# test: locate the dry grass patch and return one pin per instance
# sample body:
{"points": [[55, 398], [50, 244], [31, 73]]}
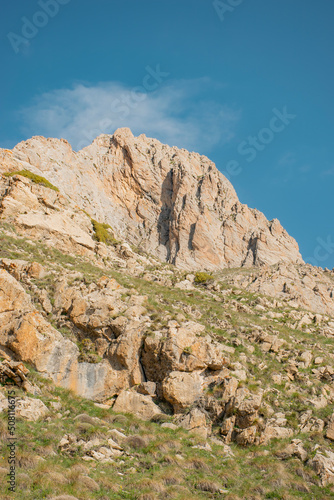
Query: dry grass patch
{"points": [[206, 485], [26, 459], [171, 460], [136, 442], [148, 496], [166, 446], [152, 485], [197, 464]]}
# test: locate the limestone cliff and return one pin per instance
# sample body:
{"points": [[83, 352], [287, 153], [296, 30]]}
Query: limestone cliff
{"points": [[173, 204]]}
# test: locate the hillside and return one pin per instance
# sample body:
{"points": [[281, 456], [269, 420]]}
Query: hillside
{"points": [[163, 340]]}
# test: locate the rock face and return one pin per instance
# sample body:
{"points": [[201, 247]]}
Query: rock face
{"points": [[25, 332], [173, 204], [305, 286]]}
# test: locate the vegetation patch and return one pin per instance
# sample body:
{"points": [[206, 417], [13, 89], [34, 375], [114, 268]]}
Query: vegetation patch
{"points": [[102, 233], [202, 278], [37, 179]]}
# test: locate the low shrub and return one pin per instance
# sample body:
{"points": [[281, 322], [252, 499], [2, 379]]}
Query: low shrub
{"points": [[102, 234], [202, 278]]}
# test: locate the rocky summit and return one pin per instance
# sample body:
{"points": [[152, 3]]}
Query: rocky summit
{"points": [[171, 203], [162, 339]]}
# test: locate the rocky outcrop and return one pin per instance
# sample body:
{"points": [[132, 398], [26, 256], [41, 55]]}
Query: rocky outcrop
{"points": [[323, 464], [28, 336], [39, 212], [302, 286], [174, 204]]}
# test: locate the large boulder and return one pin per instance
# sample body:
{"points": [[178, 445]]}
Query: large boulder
{"points": [[141, 405], [182, 389]]}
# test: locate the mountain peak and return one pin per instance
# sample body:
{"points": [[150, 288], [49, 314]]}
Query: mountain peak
{"points": [[172, 203]]}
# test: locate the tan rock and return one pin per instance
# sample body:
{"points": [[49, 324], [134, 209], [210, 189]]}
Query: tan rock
{"points": [[246, 436], [227, 429], [323, 464], [274, 431], [139, 404], [148, 388], [182, 389], [26, 333], [307, 358], [184, 350], [194, 215], [31, 409], [229, 389], [195, 421], [330, 429], [294, 449]]}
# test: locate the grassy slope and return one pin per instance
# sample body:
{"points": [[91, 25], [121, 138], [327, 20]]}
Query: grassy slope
{"points": [[159, 472]]}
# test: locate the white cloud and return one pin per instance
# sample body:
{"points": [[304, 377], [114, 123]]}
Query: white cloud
{"points": [[327, 173], [287, 160], [174, 113]]}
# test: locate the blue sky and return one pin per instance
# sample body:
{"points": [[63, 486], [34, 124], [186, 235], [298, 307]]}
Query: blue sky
{"points": [[249, 83]]}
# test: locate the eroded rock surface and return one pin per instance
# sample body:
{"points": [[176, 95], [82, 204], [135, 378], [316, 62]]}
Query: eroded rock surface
{"points": [[176, 205]]}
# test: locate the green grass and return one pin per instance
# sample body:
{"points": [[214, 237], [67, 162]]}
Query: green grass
{"points": [[37, 179], [250, 474]]}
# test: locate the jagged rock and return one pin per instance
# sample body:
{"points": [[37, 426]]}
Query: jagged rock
{"points": [[275, 431], [90, 308], [114, 445], [132, 402], [330, 429], [323, 464], [297, 283], [247, 409], [230, 387], [16, 372], [307, 358], [148, 388], [227, 429], [51, 216], [177, 206], [295, 449], [182, 389], [184, 350], [246, 436], [34, 340], [194, 215], [309, 423], [31, 409], [20, 268], [118, 436], [195, 421]]}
